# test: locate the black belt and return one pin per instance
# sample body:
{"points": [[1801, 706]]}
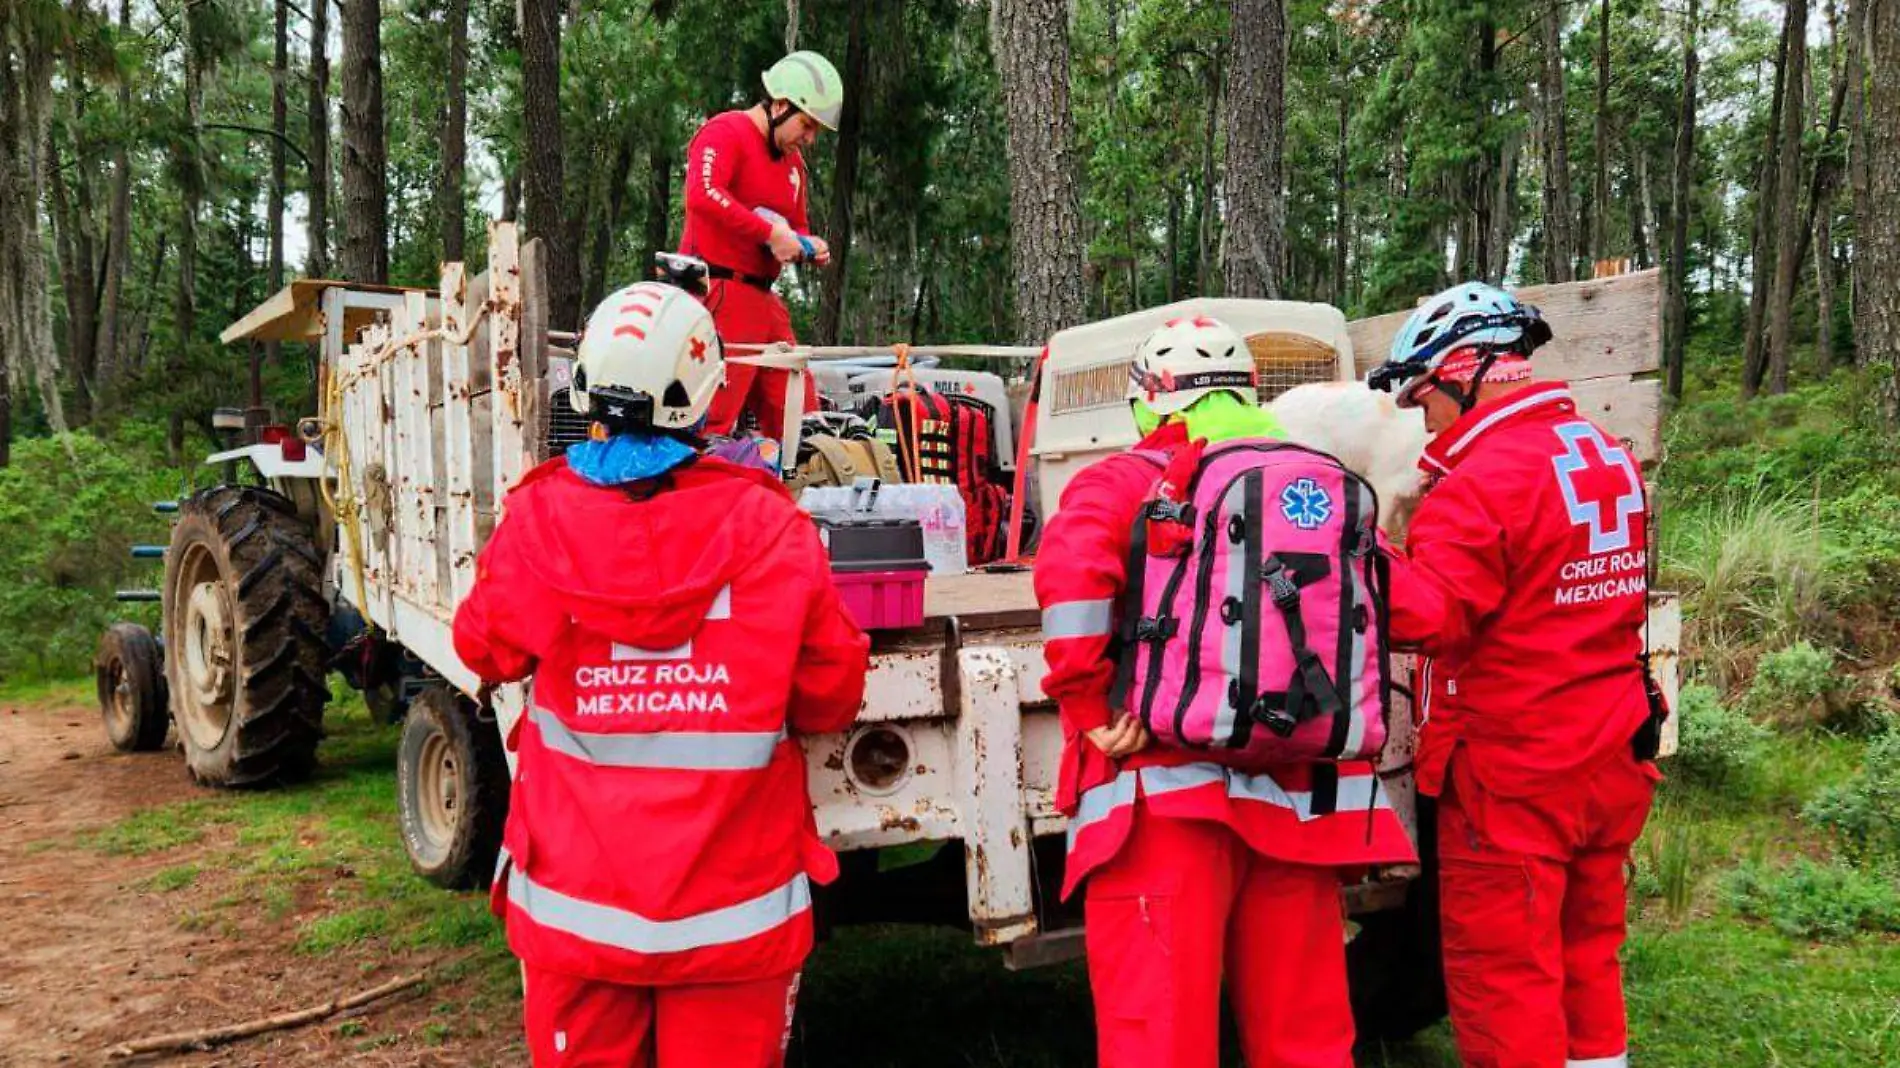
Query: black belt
{"points": [[760, 282]]}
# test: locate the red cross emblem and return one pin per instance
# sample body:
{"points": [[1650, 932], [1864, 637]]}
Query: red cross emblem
{"points": [[1601, 488], [699, 349]]}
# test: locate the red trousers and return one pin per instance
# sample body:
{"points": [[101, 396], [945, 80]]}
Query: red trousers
{"points": [[582, 1023], [1185, 901], [745, 314], [1532, 901]]}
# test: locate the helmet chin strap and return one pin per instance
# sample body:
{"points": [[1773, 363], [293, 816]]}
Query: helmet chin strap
{"points": [[772, 123]]}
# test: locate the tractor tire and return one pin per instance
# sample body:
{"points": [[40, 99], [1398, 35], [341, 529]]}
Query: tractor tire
{"points": [[451, 790], [245, 612], [1396, 963], [130, 673]]}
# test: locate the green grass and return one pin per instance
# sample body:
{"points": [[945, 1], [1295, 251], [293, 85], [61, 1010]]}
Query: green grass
{"points": [[1706, 984], [64, 692]]}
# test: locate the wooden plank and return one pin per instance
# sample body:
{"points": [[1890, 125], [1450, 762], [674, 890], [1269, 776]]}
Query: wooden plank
{"points": [[457, 434], [1605, 328], [1631, 409], [420, 465], [980, 595], [534, 349], [506, 398]]}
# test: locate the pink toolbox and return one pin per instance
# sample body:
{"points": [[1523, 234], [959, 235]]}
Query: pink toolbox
{"points": [[878, 566]]}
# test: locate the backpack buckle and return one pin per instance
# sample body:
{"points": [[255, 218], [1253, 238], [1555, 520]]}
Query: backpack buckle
{"points": [[1280, 583], [1156, 629], [1171, 511]]}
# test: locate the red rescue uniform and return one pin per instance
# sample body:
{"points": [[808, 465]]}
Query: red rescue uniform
{"points": [[1525, 583], [660, 846], [1193, 869], [730, 170]]}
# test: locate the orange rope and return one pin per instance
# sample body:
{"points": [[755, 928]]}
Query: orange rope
{"points": [[904, 381]]}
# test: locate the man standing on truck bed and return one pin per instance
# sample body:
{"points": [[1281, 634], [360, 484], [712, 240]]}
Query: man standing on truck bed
{"points": [[746, 192], [1193, 867], [679, 618], [1525, 582]]}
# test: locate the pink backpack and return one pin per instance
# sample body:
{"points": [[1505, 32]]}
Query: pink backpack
{"points": [[1262, 641]]}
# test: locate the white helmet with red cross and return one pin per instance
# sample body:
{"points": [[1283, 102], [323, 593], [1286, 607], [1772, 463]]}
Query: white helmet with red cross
{"points": [[1188, 358], [649, 360]]}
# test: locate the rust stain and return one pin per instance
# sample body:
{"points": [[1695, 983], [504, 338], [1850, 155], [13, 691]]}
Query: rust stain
{"points": [[1016, 837], [889, 819], [835, 762]]}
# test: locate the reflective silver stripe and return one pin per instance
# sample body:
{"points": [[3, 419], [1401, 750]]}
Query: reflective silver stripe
{"points": [[1356, 671], [1234, 584], [1078, 619], [677, 750], [1165, 780], [619, 929], [1621, 1060], [1357, 793], [1098, 801]]}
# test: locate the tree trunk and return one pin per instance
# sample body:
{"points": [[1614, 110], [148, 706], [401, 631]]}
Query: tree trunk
{"points": [[1031, 45], [280, 125], [1503, 218], [1342, 204], [317, 170], [1824, 293], [185, 308], [451, 202], [844, 179], [608, 222], [1856, 43], [1253, 244], [1204, 198], [1754, 350], [365, 151], [1676, 301], [1174, 245], [118, 246], [1877, 307], [659, 197], [74, 248], [543, 176], [1560, 246], [1600, 199], [1794, 114], [1643, 216]]}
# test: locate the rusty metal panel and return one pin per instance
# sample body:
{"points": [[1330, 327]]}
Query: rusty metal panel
{"points": [[458, 435], [510, 409], [989, 766]]}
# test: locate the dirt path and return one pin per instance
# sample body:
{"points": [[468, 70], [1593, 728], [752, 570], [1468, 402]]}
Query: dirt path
{"points": [[92, 956]]}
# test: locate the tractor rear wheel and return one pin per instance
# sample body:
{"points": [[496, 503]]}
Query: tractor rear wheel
{"points": [[451, 790], [130, 674], [245, 616]]}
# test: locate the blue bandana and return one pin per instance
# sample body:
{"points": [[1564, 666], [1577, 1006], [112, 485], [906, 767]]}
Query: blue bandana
{"points": [[627, 458]]}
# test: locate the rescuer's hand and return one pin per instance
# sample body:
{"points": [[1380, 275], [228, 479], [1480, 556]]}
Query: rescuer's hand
{"points": [[1123, 738], [785, 245]]}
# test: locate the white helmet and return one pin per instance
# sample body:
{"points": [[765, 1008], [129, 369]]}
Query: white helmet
{"points": [[1188, 358], [649, 359]]}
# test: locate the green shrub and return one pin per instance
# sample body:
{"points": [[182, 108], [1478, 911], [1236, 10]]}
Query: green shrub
{"points": [[1797, 687], [1752, 571], [70, 510], [1716, 745], [1809, 900], [1864, 812]]}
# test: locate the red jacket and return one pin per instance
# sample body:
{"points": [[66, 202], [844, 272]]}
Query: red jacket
{"points": [[730, 171], [1525, 581], [1081, 569], [659, 828]]}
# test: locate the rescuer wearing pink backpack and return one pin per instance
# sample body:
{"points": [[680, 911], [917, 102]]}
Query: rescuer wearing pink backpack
{"points": [[1213, 618]]}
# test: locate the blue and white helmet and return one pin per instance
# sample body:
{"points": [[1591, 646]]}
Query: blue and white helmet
{"points": [[1470, 315]]}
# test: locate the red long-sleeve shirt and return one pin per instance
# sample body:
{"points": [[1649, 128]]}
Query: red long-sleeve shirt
{"points": [[729, 172]]}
